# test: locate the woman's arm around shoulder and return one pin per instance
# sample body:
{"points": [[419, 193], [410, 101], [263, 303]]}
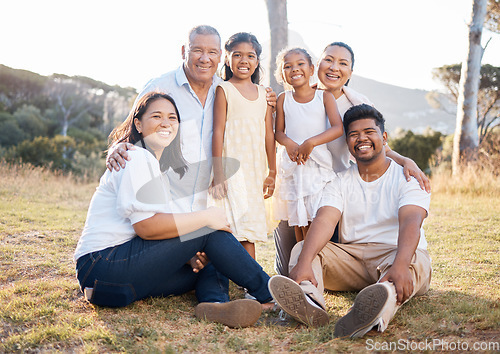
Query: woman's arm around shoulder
{"points": [[410, 168]]}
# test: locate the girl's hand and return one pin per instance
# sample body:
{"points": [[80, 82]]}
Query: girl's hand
{"points": [[292, 150], [410, 168], [117, 156], [218, 191], [218, 188], [271, 97], [269, 184], [198, 262], [304, 151], [216, 219]]}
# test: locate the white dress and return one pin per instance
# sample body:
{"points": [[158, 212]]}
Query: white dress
{"points": [[299, 187], [244, 141]]}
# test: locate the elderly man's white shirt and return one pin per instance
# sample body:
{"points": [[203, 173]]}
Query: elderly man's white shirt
{"points": [[196, 137], [370, 209]]}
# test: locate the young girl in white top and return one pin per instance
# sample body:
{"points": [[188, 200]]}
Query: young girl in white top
{"points": [[243, 139], [301, 118]]}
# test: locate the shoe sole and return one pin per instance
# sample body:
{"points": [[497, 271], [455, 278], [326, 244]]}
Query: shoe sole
{"points": [[290, 297], [364, 314], [234, 314]]}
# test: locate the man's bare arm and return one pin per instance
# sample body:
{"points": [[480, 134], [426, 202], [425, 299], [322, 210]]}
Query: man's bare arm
{"points": [[410, 219], [320, 232]]}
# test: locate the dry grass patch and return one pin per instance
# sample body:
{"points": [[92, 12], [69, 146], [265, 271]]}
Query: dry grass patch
{"points": [[42, 309]]}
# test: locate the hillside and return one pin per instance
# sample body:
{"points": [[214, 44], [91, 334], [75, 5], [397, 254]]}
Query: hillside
{"points": [[404, 108]]}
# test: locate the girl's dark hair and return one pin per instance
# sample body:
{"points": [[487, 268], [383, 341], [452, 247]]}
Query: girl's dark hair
{"points": [[237, 38], [280, 61], [349, 49], [127, 132]]}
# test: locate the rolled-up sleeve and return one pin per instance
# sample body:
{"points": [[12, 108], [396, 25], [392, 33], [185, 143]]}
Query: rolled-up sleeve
{"points": [[142, 191], [332, 195]]}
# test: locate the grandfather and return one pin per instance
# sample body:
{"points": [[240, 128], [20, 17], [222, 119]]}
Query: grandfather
{"points": [[192, 86]]}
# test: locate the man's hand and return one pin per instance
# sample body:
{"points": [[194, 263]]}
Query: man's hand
{"points": [[402, 279], [198, 262], [117, 156], [302, 272]]}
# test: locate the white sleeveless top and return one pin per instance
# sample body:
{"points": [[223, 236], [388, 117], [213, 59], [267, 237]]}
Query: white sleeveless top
{"points": [[304, 120]]}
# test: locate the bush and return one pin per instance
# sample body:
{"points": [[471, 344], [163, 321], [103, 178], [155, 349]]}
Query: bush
{"points": [[57, 152], [420, 148]]}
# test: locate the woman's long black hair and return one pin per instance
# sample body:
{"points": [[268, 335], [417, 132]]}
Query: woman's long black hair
{"points": [[127, 132]]}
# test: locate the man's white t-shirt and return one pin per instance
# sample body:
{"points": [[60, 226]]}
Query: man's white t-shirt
{"points": [[370, 209], [123, 198]]}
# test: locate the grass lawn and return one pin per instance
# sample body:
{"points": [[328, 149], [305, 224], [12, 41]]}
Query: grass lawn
{"points": [[42, 308]]}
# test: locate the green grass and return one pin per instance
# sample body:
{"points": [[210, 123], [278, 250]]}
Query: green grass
{"points": [[42, 308]]}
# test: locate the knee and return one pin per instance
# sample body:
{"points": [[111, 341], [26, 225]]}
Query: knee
{"points": [[296, 250], [112, 294]]}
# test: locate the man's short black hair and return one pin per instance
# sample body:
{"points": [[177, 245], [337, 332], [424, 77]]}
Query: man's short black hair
{"points": [[363, 111]]}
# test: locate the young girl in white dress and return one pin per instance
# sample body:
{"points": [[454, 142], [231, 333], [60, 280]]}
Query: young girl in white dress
{"points": [[243, 135], [305, 165]]}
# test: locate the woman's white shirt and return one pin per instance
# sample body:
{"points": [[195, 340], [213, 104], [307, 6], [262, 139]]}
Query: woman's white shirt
{"points": [[123, 198], [338, 147]]}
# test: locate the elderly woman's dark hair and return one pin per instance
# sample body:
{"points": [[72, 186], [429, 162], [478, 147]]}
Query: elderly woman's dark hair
{"points": [[127, 132]]}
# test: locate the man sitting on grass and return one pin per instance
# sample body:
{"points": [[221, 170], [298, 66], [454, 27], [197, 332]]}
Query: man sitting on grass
{"points": [[382, 249]]}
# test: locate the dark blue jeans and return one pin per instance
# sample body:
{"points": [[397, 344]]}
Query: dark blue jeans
{"points": [[139, 268]]}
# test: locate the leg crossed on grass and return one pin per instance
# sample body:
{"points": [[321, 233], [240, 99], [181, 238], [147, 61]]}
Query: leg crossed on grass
{"points": [[354, 267], [139, 268]]}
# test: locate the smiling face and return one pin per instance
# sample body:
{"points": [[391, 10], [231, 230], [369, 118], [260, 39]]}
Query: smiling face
{"points": [[297, 70], [334, 69], [365, 140], [201, 58], [243, 61], [158, 125]]}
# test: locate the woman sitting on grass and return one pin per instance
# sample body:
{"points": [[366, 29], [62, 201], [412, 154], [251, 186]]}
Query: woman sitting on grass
{"points": [[130, 249]]}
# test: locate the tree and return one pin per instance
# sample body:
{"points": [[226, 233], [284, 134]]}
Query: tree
{"points": [[19, 87], [492, 21], [278, 23], [72, 100], [488, 104], [30, 120], [466, 138]]}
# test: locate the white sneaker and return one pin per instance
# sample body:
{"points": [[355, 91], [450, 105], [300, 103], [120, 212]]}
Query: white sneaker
{"points": [[290, 297], [374, 305]]}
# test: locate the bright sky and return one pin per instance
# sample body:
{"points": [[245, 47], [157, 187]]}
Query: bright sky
{"points": [[128, 42]]}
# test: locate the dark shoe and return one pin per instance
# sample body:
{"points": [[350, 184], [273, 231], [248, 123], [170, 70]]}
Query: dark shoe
{"points": [[234, 314], [364, 314], [290, 297]]}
